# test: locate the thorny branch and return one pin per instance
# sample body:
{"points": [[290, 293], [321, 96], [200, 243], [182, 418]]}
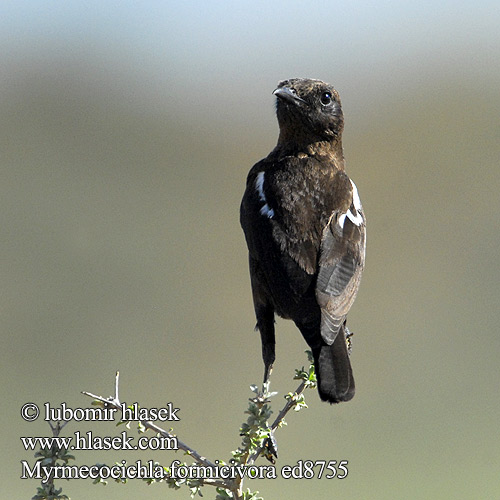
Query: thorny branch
{"points": [[248, 454], [114, 402]]}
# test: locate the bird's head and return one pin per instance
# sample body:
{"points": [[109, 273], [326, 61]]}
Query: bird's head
{"points": [[308, 111]]}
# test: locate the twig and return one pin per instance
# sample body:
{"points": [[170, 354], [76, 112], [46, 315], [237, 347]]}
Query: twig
{"points": [[58, 427], [115, 403], [289, 405], [292, 401]]}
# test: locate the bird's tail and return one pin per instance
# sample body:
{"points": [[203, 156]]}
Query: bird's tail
{"points": [[333, 370]]}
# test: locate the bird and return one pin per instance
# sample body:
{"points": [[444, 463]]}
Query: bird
{"points": [[305, 231]]}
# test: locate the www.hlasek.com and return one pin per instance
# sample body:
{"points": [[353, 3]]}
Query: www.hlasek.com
{"points": [[303, 469], [89, 441]]}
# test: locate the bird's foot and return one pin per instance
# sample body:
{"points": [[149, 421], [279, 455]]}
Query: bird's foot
{"points": [[270, 448], [348, 340]]}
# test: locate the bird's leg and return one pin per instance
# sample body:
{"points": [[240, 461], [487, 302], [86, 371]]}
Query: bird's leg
{"points": [[265, 325], [268, 369], [270, 445]]}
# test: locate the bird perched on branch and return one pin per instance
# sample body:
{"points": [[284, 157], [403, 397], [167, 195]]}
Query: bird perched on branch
{"points": [[305, 231]]}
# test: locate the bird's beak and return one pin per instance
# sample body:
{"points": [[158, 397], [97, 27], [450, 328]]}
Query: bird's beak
{"points": [[287, 94]]}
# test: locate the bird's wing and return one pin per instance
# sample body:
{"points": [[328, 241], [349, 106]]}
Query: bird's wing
{"points": [[287, 263], [342, 257]]}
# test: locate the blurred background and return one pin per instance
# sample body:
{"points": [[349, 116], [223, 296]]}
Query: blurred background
{"points": [[127, 130]]}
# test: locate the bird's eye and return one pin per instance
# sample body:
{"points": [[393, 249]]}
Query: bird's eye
{"points": [[326, 98]]}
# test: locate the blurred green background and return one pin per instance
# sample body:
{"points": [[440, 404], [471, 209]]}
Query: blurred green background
{"points": [[127, 131]]}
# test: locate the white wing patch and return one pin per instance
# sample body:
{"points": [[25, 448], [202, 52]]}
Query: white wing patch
{"points": [[259, 185], [355, 197], [355, 218]]}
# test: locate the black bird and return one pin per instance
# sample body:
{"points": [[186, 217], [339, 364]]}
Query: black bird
{"points": [[305, 231]]}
